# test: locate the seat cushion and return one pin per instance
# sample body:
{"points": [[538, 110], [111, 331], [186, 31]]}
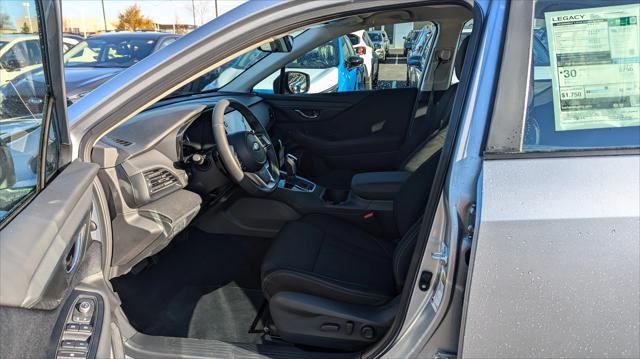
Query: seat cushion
{"points": [[330, 258]]}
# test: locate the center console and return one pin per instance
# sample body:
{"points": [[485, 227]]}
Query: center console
{"points": [[369, 202]]}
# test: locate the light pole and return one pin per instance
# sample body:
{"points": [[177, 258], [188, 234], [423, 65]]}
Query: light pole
{"points": [[27, 6], [104, 16], [193, 9]]}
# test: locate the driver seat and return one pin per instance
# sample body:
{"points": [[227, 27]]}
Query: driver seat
{"points": [[331, 284]]}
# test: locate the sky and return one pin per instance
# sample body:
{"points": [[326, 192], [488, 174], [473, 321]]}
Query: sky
{"points": [[161, 11]]}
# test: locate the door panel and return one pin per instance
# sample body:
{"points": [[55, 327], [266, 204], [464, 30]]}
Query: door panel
{"points": [[41, 247], [555, 271], [354, 130], [45, 218]]}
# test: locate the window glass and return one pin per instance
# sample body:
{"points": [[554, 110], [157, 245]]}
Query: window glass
{"points": [[585, 90], [112, 51], [21, 109]]}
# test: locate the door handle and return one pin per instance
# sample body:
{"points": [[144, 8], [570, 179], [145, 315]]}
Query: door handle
{"points": [[311, 115]]}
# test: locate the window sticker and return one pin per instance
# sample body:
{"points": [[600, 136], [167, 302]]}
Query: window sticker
{"points": [[595, 63]]}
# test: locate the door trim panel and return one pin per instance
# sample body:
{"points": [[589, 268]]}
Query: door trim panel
{"points": [[35, 244]]}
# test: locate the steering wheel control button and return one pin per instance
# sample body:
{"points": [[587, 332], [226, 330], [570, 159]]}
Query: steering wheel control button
{"points": [[330, 327]]}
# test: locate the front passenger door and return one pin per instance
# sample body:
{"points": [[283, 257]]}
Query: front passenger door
{"points": [[45, 218]]}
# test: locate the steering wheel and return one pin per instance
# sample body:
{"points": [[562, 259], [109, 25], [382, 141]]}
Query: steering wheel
{"points": [[249, 156]]}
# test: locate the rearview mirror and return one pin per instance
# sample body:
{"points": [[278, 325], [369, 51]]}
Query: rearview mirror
{"points": [[283, 44], [415, 61], [296, 83], [354, 61]]}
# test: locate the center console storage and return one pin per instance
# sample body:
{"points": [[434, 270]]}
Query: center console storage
{"points": [[378, 185]]}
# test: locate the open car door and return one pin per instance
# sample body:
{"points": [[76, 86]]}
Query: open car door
{"points": [[45, 211]]}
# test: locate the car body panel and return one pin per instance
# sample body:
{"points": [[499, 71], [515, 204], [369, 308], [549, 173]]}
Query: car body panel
{"points": [[555, 259]]}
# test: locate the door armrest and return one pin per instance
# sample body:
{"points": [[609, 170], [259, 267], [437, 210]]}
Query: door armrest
{"points": [[378, 185]]}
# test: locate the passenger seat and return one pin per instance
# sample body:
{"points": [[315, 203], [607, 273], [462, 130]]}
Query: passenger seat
{"points": [[426, 137]]}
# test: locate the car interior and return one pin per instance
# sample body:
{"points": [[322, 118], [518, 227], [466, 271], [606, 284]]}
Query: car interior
{"points": [[284, 219]]}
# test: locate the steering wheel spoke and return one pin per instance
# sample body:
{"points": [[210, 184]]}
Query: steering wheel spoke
{"points": [[249, 156]]}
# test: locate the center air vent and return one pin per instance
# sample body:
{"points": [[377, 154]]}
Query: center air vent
{"points": [[159, 179], [121, 142]]}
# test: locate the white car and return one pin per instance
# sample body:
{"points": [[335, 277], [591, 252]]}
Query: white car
{"points": [[364, 48], [20, 53]]}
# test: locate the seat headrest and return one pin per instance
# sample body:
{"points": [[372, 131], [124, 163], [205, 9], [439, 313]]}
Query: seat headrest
{"points": [[462, 52]]}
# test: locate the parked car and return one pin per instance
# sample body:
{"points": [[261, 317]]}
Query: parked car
{"points": [[20, 53], [420, 56], [70, 40], [332, 67], [364, 48], [380, 43], [411, 37], [500, 222], [86, 66]]}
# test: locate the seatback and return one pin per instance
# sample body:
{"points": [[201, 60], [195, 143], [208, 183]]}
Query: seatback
{"points": [[426, 126], [410, 201]]}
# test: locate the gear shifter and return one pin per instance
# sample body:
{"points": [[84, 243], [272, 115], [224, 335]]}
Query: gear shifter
{"points": [[291, 166]]}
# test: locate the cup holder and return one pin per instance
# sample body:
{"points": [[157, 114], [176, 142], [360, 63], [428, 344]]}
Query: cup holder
{"points": [[335, 196]]}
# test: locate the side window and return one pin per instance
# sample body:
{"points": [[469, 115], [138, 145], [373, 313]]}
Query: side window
{"points": [[585, 88], [23, 98], [167, 42], [384, 64]]}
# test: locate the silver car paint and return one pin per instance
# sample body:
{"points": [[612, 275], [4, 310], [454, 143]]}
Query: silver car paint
{"points": [[556, 270]]}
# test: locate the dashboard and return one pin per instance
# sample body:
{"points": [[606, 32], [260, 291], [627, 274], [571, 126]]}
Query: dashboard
{"points": [[154, 190]]}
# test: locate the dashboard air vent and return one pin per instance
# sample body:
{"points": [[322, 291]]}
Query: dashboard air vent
{"points": [[159, 179], [121, 142]]}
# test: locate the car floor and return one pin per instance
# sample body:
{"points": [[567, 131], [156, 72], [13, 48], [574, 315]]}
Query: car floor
{"points": [[204, 286]]}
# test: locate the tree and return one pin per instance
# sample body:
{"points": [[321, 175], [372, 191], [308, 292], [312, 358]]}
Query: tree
{"points": [[131, 19], [25, 28], [5, 21]]}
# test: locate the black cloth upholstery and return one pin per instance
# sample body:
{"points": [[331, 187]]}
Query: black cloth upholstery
{"points": [[330, 258], [424, 129]]}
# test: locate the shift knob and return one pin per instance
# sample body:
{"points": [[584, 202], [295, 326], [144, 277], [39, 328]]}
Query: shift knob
{"points": [[291, 165]]}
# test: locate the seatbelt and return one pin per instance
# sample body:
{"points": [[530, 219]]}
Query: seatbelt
{"points": [[443, 56]]}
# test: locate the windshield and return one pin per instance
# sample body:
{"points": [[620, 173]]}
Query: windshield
{"points": [[322, 57], [375, 36], [109, 52]]}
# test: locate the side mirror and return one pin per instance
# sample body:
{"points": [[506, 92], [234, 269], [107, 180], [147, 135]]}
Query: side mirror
{"points": [[11, 65], [415, 61], [354, 61], [296, 83], [283, 44]]}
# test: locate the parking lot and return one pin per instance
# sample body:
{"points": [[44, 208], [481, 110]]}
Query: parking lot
{"points": [[393, 72]]}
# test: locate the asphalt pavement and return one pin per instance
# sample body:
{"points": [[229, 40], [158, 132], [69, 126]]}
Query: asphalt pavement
{"points": [[393, 72]]}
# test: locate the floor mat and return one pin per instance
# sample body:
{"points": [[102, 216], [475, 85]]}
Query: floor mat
{"points": [[204, 286]]}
